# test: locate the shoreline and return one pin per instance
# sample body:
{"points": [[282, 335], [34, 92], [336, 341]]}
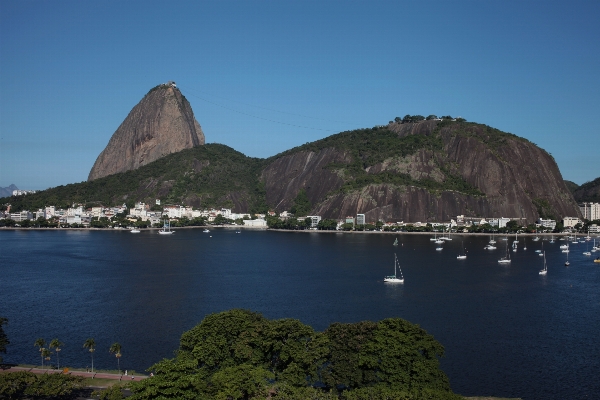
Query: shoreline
{"points": [[8, 228]]}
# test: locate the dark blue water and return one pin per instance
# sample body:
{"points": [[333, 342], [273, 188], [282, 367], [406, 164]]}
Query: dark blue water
{"points": [[507, 330]]}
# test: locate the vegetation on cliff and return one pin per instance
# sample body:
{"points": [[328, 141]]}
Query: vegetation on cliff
{"points": [[406, 165], [239, 354], [588, 192], [213, 175]]}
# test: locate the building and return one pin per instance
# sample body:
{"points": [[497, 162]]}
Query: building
{"points": [[590, 211], [314, 220], [350, 220], [255, 223], [547, 223], [594, 228], [570, 222], [360, 219], [21, 216]]}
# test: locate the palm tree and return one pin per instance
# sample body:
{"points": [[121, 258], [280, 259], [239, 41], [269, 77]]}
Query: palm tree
{"points": [[116, 348], [90, 344], [56, 344], [45, 355], [40, 343]]}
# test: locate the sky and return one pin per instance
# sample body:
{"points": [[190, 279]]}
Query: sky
{"points": [[266, 76]]}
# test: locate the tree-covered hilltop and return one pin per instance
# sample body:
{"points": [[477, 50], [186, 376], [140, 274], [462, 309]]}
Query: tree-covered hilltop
{"points": [[240, 354], [588, 192], [212, 175]]}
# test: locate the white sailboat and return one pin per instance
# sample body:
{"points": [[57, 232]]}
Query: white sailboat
{"points": [[395, 278], [567, 263], [565, 250], [544, 271], [587, 251], [396, 242], [166, 230], [462, 256], [505, 259], [492, 241]]}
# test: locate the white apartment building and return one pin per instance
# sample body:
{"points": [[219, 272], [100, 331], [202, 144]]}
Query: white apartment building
{"points": [[570, 222], [547, 223], [590, 211], [594, 228], [174, 211], [360, 219], [314, 220]]}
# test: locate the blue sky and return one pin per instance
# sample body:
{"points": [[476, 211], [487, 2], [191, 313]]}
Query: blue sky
{"points": [[265, 76]]}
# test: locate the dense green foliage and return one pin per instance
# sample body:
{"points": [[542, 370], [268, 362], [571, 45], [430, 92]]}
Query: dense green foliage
{"points": [[27, 385], [301, 205], [588, 192], [239, 354], [3, 337], [208, 173]]}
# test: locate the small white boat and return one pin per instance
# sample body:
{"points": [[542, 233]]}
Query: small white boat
{"points": [[462, 256], [439, 248], [544, 271], [134, 230], [206, 231], [538, 251], [563, 246], [505, 259], [489, 247], [395, 278], [395, 242]]}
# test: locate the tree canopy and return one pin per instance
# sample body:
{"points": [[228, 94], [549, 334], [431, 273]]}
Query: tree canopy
{"points": [[239, 354]]}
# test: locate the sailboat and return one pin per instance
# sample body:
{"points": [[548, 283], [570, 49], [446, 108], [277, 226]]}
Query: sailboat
{"points": [[434, 238], [463, 255], [567, 263], [134, 230], [396, 242], [544, 271], [587, 251], [492, 241], [505, 259], [394, 278], [166, 230], [565, 250]]}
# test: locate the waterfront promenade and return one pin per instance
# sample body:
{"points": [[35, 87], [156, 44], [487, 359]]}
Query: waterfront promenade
{"points": [[92, 375]]}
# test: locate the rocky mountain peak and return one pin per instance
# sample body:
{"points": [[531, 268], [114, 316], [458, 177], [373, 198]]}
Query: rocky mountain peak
{"points": [[160, 124]]}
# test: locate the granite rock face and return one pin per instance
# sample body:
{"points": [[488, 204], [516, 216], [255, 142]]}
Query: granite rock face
{"points": [[513, 177], [160, 124]]}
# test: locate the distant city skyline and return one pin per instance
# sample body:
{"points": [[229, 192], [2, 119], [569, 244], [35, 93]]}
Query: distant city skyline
{"points": [[265, 76]]}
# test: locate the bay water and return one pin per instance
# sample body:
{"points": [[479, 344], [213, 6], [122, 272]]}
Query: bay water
{"points": [[507, 330]]}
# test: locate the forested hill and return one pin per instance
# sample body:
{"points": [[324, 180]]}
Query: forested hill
{"points": [[421, 171], [588, 192], [204, 176], [405, 171]]}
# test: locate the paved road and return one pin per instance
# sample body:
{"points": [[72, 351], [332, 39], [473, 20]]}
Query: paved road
{"points": [[103, 375]]}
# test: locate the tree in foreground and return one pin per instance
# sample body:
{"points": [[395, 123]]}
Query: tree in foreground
{"points": [[40, 343], [27, 385], [90, 344], [56, 345], [3, 338], [239, 354], [116, 349]]}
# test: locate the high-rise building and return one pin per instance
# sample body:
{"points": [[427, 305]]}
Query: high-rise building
{"points": [[590, 211]]}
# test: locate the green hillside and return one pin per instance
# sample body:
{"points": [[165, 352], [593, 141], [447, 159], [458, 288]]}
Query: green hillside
{"points": [[205, 176]]}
